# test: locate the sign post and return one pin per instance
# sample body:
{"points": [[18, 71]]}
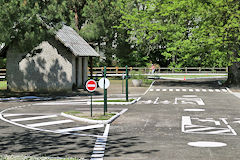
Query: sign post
{"points": [[104, 83], [91, 86], [127, 83]]}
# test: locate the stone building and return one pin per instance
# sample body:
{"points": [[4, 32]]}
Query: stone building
{"points": [[58, 64]]}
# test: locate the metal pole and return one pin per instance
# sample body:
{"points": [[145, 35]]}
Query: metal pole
{"points": [[127, 83], [105, 92], [91, 104]]}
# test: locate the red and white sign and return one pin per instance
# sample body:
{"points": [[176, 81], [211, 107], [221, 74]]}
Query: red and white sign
{"points": [[91, 85]]}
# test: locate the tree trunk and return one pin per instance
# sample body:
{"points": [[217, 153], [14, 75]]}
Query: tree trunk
{"points": [[234, 74], [76, 18]]}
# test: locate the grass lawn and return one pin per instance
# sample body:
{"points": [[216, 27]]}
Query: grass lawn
{"points": [[11, 157], [96, 115], [192, 76], [3, 85]]}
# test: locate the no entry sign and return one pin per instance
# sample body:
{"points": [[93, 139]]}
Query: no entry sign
{"points": [[91, 85]]}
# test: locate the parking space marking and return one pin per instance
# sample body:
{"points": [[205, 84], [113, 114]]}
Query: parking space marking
{"points": [[32, 118], [80, 128], [50, 123]]}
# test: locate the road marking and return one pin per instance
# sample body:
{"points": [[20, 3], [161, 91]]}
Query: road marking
{"points": [[210, 90], [207, 144], [190, 90], [12, 115], [32, 118], [165, 102], [61, 103], [157, 90], [184, 90], [204, 90], [177, 90], [151, 90], [217, 90], [100, 144], [188, 127], [197, 90], [155, 102], [224, 120], [190, 100], [170, 90], [80, 128], [189, 96], [194, 110], [164, 90], [49, 123], [224, 90]]}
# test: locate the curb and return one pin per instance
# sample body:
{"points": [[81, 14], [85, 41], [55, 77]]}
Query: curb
{"points": [[116, 103], [94, 121]]}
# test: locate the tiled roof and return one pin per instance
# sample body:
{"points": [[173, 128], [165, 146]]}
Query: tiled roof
{"points": [[72, 40]]}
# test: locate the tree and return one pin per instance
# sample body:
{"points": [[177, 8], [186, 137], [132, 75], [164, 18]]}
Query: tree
{"points": [[25, 22]]}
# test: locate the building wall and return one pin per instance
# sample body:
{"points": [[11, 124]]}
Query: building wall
{"points": [[48, 68]]}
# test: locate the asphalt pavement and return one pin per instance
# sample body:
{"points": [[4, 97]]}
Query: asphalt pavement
{"points": [[174, 120]]}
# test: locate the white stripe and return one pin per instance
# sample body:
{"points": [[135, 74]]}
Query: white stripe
{"points": [[80, 128], [12, 115], [217, 90], [204, 90], [184, 90], [190, 90], [155, 102], [186, 120], [177, 90], [224, 90], [210, 90], [201, 129], [224, 120], [164, 90], [64, 103], [32, 118], [219, 131], [49, 123], [91, 85], [233, 131], [194, 110], [106, 131], [157, 90], [170, 90], [197, 90], [151, 90]]}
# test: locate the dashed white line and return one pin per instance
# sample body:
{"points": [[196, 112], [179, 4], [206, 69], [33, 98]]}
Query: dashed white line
{"points": [[217, 90], [197, 90], [177, 90], [190, 90], [210, 90], [184, 90], [49, 123], [170, 90], [164, 90], [157, 90], [204, 90]]}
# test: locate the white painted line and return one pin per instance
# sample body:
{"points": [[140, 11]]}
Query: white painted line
{"points": [[61, 103], [99, 148], [151, 90], [190, 90], [186, 120], [204, 90], [194, 110], [224, 90], [157, 90], [210, 90], [12, 115], [207, 144], [224, 120], [233, 131], [184, 90], [80, 128], [170, 90], [219, 131], [33, 118], [189, 96], [49, 123], [217, 90], [200, 129], [177, 90], [197, 90], [164, 90], [155, 102]]}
